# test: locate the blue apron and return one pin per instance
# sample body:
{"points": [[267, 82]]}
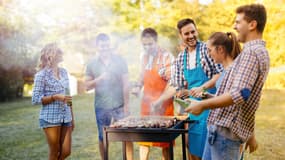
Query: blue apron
{"points": [[197, 132]]}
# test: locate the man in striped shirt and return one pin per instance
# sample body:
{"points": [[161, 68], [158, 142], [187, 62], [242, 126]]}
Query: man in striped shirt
{"points": [[231, 120]]}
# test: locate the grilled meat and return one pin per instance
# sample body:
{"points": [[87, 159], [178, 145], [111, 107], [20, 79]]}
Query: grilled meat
{"points": [[145, 122]]}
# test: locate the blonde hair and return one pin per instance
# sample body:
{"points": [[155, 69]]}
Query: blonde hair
{"points": [[48, 54]]}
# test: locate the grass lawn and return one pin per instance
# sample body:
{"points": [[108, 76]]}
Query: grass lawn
{"points": [[21, 139]]}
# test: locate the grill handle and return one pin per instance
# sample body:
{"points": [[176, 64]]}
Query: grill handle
{"points": [[189, 121]]}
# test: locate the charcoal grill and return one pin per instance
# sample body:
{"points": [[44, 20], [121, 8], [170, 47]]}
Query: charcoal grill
{"points": [[133, 134]]}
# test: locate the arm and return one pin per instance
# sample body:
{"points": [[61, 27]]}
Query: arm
{"points": [[135, 90], [73, 124], [90, 82], [39, 97], [211, 83], [167, 93], [213, 68], [140, 80], [245, 75], [38, 89], [59, 97], [169, 90], [90, 79], [125, 80], [198, 107], [48, 99], [251, 143], [197, 91]]}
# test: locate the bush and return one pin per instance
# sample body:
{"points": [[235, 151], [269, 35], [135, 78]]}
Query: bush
{"points": [[275, 81], [11, 83]]}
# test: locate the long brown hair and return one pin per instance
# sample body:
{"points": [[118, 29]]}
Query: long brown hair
{"points": [[48, 54], [228, 41]]}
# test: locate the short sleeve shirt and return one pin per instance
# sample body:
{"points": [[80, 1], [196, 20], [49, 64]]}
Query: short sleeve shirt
{"points": [[109, 93]]}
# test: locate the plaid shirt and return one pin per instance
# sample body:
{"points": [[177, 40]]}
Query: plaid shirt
{"points": [[45, 84], [244, 81], [209, 66]]}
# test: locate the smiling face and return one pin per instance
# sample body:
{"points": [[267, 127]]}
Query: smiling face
{"points": [[189, 35], [216, 52], [58, 56], [242, 27], [104, 47]]}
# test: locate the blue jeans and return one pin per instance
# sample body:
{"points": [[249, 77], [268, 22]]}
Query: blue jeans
{"points": [[45, 124], [104, 117], [219, 147]]}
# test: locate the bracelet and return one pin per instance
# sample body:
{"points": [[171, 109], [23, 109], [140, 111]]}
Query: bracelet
{"points": [[204, 89]]}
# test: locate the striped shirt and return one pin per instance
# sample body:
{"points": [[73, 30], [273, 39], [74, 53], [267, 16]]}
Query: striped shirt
{"points": [[163, 60], [209, 66], [45, 84], [244, 81]]}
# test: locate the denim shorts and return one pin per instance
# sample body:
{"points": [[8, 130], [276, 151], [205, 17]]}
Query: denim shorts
{"points": [[105, 116], [45, 124], [219, 147]]}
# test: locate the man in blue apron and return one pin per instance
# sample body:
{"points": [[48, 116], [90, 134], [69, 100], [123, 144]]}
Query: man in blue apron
{"points": [[195, 67], [194, 71]]}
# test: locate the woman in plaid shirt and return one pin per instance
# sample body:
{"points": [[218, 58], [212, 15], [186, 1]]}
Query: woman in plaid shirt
{"points": [[51, 84]]}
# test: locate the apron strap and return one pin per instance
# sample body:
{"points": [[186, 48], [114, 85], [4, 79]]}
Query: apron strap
{"points": [[198, 64]]}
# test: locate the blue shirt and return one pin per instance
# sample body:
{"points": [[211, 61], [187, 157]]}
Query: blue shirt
{"points": [[219, 81], [45, 84]]}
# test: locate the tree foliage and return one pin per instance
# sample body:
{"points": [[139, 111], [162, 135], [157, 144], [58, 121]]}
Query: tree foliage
{"points": [[216, 16], [27, 25]]}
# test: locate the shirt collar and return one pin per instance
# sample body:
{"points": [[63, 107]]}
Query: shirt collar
{"points": [[157, 52], [50, 71], [254, 42], [186, 48]]}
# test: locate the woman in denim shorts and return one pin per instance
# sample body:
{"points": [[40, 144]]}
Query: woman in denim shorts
{"points": [[51, 87]]}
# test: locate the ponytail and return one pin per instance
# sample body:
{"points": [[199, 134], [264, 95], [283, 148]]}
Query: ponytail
{"points": [[228, 41], [235, 49]]}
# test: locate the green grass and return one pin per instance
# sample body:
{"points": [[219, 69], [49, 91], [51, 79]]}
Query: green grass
{"points": [[21, 138]]}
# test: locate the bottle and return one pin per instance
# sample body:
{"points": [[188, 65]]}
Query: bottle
{"points": [[67, 92]]}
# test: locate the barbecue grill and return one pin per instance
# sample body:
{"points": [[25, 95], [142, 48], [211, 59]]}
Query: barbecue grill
{"points": [[148, 133]]}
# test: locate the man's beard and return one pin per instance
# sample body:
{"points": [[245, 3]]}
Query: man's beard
{"points": [[191, 42]]}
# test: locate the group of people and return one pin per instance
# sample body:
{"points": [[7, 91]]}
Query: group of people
{"points": [[230, 78]]}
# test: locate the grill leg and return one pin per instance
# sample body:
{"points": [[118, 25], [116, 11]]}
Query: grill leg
{"points": [[124, 150], [106, 146], [171, 150], [183, 146]]}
